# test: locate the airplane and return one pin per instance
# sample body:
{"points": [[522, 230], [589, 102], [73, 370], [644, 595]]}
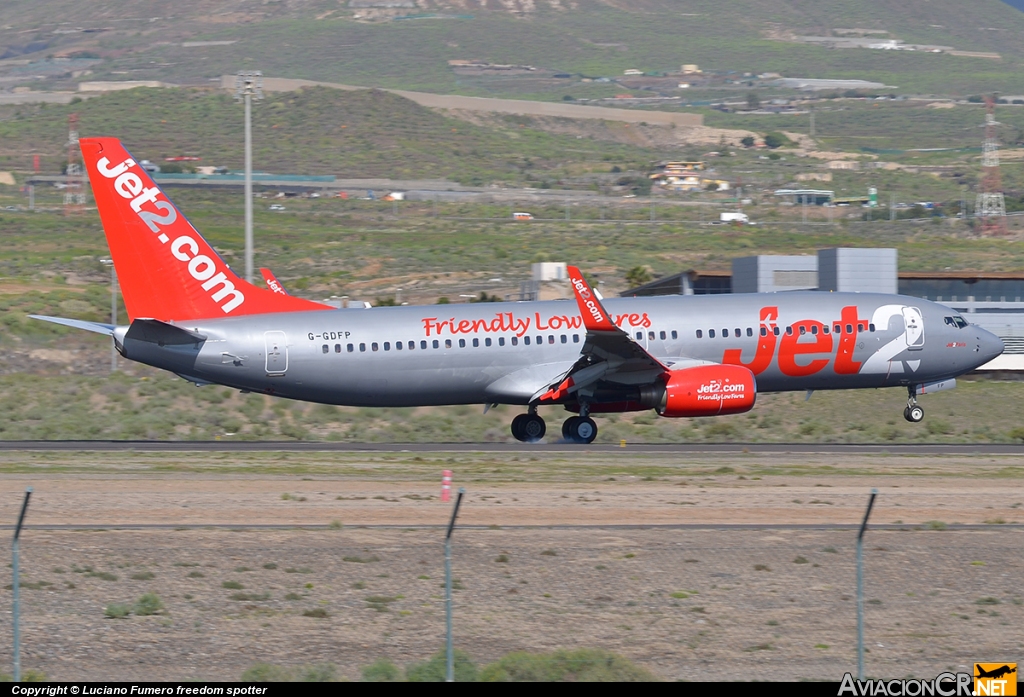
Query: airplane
{"points": [[682, 356]]}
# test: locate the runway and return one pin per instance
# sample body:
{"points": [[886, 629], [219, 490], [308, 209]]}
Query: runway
{"points": [[517, 448]]}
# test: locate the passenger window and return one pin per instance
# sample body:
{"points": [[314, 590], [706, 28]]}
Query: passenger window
{"points": [[398, 345], [775, 331], [700, 334], [738, 333], [849, 329], [515, 341], [725, 333], [675, 334], [526, 340], [871, 327], [803, 330], [575, 338], [387, 345], [838, 329], [814, 329], [326, 349], [750, 332], [860, 328], [663, 336], [501, 341], [447, 343], [564, 339], [789, 330], [639, 336], [412, 345], [824, 329], [764, 331], [337, 348], [351, 348], [476, 343], [362, 347], [551, 338], [374, 347], [650, 336], [436, 344], [462, 343], [711, 333]]}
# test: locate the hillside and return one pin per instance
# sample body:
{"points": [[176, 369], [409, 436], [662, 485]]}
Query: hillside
{"points": [[360, 43], [366, 133]]}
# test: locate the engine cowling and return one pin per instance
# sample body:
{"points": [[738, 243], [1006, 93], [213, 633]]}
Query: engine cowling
{"points": [[708, 390]]}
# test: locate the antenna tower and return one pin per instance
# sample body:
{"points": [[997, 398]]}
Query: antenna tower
{"points": [[990, 207], [74, 194]]}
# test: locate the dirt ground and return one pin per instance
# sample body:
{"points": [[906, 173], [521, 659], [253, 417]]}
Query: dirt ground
{"points": [[574, 551]]}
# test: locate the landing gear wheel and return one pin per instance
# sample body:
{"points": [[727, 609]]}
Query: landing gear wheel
{"points": [[517, 427], [580, 429], [567, 428], [914, 414], [533, 428]]}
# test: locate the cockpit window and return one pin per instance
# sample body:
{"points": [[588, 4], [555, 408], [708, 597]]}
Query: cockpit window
{"points": [[956, 321]]}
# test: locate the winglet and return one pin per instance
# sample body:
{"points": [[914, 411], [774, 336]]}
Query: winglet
{"points": [[271, 280], [595, 317]]}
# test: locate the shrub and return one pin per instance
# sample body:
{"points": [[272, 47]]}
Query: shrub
{"points": [[382, 670], [502, 559], [143, 576], [436, 668], [581, 665], [321, 672], [148, 604], [232, 585], [116, 611], [318, 612], [270, 565]]}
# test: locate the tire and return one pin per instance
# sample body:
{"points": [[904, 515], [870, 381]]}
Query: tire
{"points": [[533, 428], [906, 413], [584, 430], [517, 427], [567, 427], [916, 414]]}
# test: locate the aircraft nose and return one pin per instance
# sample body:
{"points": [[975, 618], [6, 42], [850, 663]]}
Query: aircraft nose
{"points": [[989, 345]]}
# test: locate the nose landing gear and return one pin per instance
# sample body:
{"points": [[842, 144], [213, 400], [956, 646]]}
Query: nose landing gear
{"points": [[913, 413], [528, 428]]}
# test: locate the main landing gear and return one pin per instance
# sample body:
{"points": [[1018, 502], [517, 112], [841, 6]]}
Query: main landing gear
{"points": [[913, 413], [530, 428]]}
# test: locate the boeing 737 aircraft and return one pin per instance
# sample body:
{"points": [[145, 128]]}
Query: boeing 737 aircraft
{"points": [[681, 356]]}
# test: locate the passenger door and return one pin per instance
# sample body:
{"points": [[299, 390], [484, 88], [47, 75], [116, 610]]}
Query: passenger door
{"points": [[277, 352], [914, 324]]}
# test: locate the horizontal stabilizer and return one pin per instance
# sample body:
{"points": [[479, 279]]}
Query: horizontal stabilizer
{"points": [[153, 331], [97, 327]]}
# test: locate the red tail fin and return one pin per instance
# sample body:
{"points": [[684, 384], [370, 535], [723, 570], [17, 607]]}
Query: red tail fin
{"points": [[595, 317], [166, 269]]}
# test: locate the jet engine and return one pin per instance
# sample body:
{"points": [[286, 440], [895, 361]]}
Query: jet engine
{"points": [[708, 390]]}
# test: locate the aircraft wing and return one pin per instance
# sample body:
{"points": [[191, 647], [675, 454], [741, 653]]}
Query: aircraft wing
{"points": [[608, 353]]}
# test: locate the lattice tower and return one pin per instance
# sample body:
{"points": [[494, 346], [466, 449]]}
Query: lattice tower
{"points": [[990, 206], [74, 194]]}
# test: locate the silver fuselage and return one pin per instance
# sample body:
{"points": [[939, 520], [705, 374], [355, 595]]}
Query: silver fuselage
{"points": [[503, 353]]}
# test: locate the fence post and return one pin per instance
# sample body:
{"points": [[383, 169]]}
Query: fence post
{"points": [[15, 583], [450, 654], [860, 586]]}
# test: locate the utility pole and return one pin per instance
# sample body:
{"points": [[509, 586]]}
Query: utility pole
{"points": [[450, 651], [892, 207], [248, 84], [860, 586], [812, 122], [15, 584], [991, 206]]}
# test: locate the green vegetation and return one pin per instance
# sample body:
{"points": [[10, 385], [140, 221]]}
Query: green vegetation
{"points": [[317, 612], [148, 604], [382, 670], [117, 611]]}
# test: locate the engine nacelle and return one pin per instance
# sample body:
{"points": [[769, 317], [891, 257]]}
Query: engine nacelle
{"points": [[708, 390]]}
